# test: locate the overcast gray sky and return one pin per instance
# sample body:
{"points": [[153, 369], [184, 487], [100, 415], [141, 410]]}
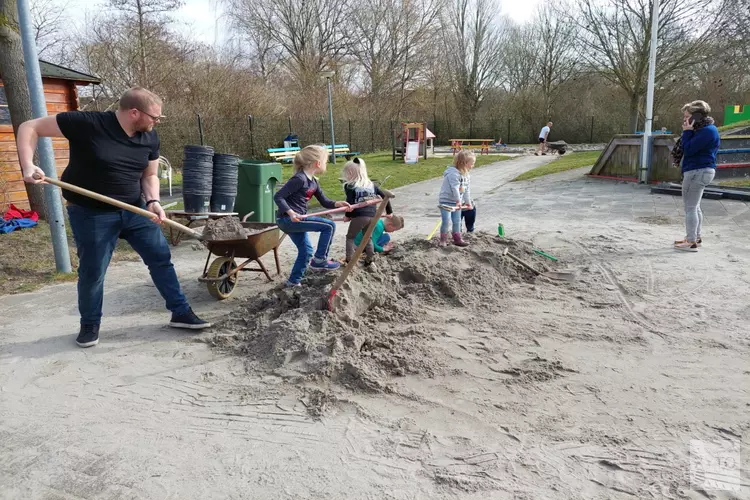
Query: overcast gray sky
{"points": [[202, 17]]}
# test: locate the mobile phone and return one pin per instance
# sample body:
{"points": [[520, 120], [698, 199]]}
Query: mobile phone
{"points": [[697, 117]]}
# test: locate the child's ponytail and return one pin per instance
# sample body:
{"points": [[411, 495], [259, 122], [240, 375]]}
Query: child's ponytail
{"points": [[355, 174]]}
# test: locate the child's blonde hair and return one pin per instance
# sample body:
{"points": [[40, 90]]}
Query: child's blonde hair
{"points": [[355, 174], [396, 222], [463, 159], [308, 155]]}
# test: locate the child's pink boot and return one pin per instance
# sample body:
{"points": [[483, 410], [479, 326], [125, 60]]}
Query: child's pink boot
{"points": [[443, 239], [458, 241]]}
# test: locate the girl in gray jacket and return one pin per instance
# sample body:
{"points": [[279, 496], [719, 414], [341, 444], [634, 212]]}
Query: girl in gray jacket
{"points": [[455, 195]]}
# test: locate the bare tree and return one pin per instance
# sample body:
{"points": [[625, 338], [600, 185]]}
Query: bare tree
{"points": [[389, 39], [145, 13], [473, 35], [15, 86], [48, 18], [556, 44], [617, 33], [258, 48], [310, 33]]}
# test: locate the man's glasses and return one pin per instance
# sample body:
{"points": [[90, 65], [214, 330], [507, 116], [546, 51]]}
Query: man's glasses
{"points": [[156, 119]]}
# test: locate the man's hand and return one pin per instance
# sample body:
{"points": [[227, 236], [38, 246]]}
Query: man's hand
{"points": [[33, 175], [340, 204], [155, 208]]}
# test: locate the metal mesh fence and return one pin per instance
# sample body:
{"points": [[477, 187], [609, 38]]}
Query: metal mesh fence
{"points": [[250, 137]]}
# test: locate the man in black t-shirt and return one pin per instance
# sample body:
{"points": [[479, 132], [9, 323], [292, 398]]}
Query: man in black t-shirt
{"points": [[115, 154]]}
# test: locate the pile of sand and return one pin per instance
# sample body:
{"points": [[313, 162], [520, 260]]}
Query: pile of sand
{"points": [[225, 229], [386, 318]]}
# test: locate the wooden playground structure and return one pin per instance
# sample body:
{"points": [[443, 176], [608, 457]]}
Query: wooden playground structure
{"points": [[415, 135]]}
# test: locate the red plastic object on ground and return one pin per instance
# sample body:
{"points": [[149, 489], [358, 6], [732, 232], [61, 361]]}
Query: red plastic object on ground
{"points": [[16, 213]]}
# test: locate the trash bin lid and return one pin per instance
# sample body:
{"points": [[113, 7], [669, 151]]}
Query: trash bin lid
{"points": [[259, 172]]}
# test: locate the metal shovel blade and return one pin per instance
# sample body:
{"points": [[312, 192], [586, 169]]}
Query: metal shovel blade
{"points": [[560, 275]]}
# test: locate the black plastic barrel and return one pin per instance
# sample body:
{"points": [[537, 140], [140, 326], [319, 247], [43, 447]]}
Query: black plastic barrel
{"points": [[197, 178], [224, 190]]}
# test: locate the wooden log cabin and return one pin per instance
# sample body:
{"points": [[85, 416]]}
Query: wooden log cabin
{"points": [[61, 94]]}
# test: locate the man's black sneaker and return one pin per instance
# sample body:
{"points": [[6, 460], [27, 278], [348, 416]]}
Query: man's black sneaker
{"points": [[188, 320], [88, 336]]}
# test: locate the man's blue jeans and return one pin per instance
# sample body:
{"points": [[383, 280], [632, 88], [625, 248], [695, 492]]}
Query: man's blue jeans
{"points": [[297, 232], [96, 233]]}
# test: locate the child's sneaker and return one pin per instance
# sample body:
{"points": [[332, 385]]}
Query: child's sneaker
{"points": [[326, 265], [687, 246], [699, 242], [291, 284]]}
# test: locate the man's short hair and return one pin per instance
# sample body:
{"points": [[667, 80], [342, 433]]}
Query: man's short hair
{"points": [[139, 98]]}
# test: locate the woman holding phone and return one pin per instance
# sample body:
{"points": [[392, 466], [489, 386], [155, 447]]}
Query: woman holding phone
{"points": [[696, 152]]}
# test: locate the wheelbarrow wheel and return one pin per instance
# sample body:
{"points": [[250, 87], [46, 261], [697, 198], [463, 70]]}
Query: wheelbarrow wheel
{"points": [[222, 289]]}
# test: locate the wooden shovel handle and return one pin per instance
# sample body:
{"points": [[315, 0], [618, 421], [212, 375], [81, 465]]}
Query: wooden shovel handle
{"points": [[341, 209], [120, 204], [361, 248]]}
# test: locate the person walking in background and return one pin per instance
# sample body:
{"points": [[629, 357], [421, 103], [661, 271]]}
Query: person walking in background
{"points": [[696, 151], [114, 153], [543, 134]]}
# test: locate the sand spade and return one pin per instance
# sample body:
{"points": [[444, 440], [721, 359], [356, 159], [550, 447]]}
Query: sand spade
{"points": [[122, 205], [554, 275], [330, 300]]}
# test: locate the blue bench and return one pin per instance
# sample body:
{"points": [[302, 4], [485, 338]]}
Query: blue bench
{"points": [[287, 154]]}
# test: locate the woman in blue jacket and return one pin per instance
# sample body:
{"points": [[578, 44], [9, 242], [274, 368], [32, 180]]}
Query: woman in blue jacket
{"points": [[697, 150]]}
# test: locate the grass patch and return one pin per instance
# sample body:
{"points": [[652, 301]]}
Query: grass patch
{"points": [[380, 166], [176, 180], [733, 126], [563, 163], [740, 183], [27, 261]]}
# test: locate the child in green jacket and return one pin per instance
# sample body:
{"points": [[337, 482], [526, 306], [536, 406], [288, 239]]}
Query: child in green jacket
{"points": [[381, 240]]}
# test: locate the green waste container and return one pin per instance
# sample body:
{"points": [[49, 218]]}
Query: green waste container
{"points": [[256, 185]]}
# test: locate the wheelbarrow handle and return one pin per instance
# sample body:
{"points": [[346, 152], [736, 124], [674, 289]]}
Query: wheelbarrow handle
{"points": [[120, 204]]}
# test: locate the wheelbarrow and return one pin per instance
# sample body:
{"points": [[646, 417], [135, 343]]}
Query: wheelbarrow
{"points": [[559, 147], [222, 274]]}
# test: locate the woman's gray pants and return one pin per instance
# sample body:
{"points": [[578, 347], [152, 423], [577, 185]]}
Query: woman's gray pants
{"points": [[693, 184]]}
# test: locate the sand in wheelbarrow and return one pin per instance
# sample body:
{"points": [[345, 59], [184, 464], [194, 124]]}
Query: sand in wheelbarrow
{"points": [[387, 320], [225, 229]]}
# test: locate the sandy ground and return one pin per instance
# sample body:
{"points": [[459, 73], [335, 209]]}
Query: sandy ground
{"points": [[631, 382]]}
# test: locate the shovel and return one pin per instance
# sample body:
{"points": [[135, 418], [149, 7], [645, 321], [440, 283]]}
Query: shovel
{"points": [[330, 299], [340, 209], [554, 275], [122, 205]]}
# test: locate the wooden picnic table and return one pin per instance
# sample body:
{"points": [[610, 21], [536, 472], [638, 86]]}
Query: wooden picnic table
{"points": [[483, 145], [176, 236]]}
